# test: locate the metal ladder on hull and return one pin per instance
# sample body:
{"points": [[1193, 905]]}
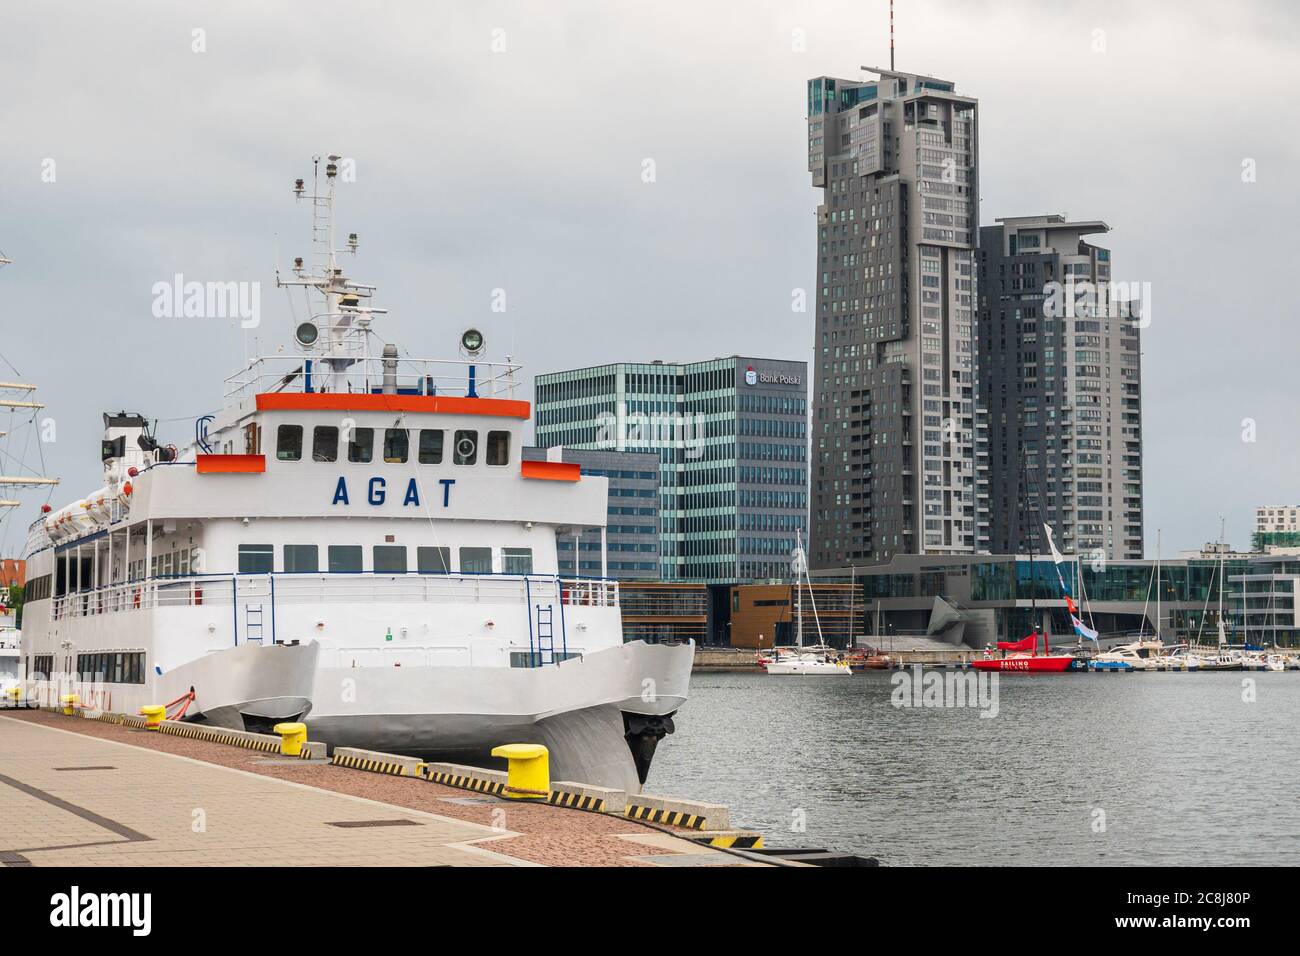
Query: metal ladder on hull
{"points": [[253, 624], [545, 634]]}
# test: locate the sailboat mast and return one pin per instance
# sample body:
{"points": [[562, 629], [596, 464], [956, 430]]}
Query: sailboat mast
{"points": [[1221, 533], [798, 588], [1159, 532]]}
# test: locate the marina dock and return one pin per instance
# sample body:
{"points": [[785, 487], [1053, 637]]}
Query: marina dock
{"points": [[95, 792]]}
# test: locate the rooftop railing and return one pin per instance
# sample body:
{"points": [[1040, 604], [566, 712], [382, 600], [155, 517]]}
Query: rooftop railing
{"points": [[242, 590], [368, 374]]}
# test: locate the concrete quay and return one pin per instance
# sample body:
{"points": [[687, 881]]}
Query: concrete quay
{"points": [[98, 792]]}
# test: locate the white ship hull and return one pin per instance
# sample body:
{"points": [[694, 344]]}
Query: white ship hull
{"points": [[582, 709], [601, 714]]}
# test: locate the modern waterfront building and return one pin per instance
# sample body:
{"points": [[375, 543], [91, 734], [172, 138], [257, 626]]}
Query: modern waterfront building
{"points": [[1060, 382], [895, 432], [980, 599], [628, 550], [1276, 526], [657, 612], [731, 436], [763, 616]]}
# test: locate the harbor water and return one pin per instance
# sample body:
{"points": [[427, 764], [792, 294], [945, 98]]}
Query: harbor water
{"points": [[1074, 769]]}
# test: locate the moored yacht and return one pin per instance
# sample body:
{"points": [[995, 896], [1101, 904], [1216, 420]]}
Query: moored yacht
{"points": [[821, 660], [353, 540], [1141, 655]]}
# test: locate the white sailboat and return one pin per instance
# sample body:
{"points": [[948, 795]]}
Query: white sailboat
{"points": [[798, 660], [1222, 660]]}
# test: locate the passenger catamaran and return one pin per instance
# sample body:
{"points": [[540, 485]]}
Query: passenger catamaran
{"points": [[354, 540]]}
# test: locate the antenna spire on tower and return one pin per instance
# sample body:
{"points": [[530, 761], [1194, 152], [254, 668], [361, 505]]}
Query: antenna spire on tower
{"points": [[891, 34]]}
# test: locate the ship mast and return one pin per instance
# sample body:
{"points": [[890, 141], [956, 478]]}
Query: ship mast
{"points": [[19, 396], [345, 322]]}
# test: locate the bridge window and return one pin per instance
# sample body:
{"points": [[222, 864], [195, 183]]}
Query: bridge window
{"points": [[498, 448], [433, 560], [516, 560], [361, 446], [465, 451], [256, 559], [288, 443], [431, 446], [301, 558], [397, 445], [475, 560], [390, 559], [325, 443], [345, 558]]}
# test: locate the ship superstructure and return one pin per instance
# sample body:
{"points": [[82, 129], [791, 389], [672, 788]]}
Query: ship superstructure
{"points": [[355, 540]]}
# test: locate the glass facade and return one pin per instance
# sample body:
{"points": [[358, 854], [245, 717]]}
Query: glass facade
{"points": [[731, 437]]}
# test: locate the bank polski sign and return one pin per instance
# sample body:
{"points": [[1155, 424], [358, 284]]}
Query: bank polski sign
{"points": [[769, 378]]}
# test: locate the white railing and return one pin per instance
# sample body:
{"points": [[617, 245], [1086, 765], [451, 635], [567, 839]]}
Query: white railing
{"points": [[239, 590], [285, 373]]}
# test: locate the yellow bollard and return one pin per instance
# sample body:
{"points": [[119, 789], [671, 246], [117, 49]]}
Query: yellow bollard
{"points": [[153, 715], [529, 776], [70, 703], [14, 693], [292, 737]]}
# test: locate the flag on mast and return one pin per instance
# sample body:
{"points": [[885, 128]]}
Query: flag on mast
{"points": [[1080, 628]]}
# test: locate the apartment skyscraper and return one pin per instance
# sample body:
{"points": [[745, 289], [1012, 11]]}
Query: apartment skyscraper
{"points": [[895, 431], [1060, 380], [731, 434]]}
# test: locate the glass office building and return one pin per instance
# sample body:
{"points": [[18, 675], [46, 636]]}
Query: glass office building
{"points": [[631, 540], [731, 436]]}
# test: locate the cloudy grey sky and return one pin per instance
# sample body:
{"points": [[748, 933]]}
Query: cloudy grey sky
{"points": [[521, 170]]}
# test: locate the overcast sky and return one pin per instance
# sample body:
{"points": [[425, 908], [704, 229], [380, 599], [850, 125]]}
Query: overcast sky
{"points": [[521, 169]]}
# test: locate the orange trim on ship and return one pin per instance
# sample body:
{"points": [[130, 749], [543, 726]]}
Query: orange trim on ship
{"points": [[551, 470], [362, 402], [230, 464]]}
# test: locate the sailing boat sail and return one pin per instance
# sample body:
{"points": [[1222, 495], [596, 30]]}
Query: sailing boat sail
{"points": [[797, 660]]}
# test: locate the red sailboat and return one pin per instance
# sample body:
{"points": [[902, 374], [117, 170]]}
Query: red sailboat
{"points": [[1023, 656]]}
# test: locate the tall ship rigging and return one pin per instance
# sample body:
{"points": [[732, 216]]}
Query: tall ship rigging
{"points": [[353, 540], [18, 431]]}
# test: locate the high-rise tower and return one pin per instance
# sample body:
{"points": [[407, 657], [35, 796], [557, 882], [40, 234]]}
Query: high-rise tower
{"points": [[895, 433], [1061, 380]]}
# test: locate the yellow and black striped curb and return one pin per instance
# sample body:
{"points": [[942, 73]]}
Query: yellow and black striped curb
{"points": [[576, 801], [218, 735], [465, 782], [737, 840], [376, 766], [673, 818]]}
